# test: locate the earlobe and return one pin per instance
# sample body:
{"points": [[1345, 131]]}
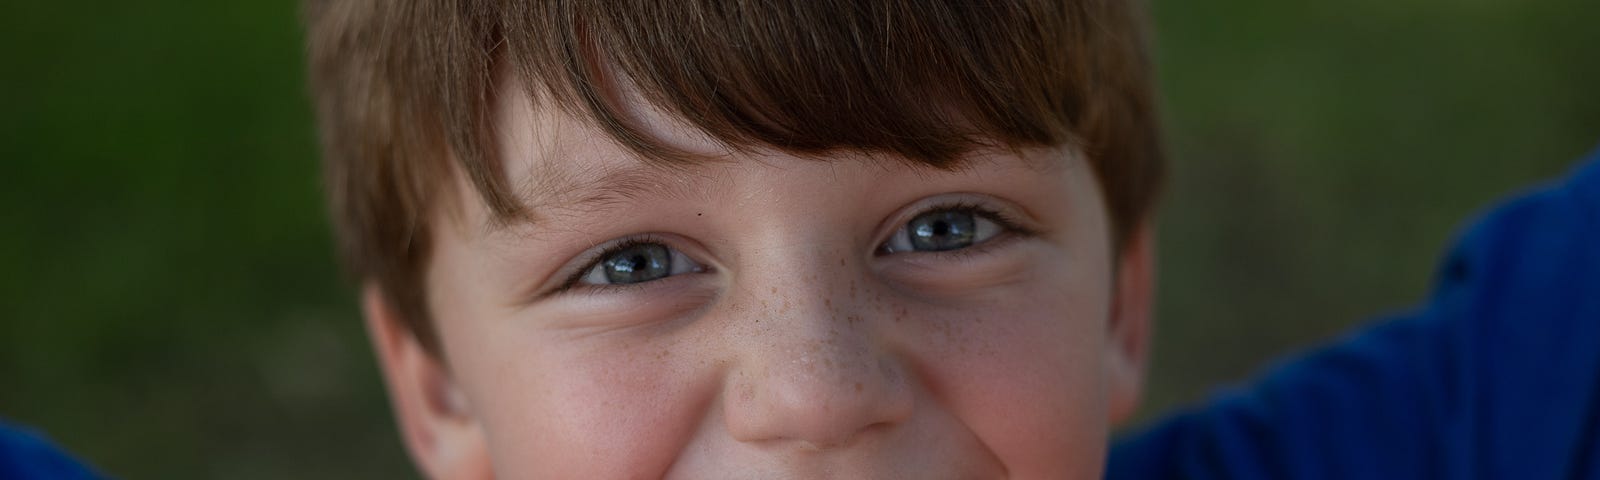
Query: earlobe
{"points": [[1129, 329], [436, 423]]}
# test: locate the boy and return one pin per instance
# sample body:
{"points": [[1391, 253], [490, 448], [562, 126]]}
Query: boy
{"points": [[746, 239]]}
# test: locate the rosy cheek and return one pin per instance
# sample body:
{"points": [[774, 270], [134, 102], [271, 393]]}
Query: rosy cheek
{"points": [[599, 410], [1025, 377]]}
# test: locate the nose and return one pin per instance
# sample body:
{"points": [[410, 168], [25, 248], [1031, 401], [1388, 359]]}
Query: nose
{"points": [[814, 375]]}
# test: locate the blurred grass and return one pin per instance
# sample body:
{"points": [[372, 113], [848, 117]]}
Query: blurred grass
{"points": [[1324, 154], [170, 307]]}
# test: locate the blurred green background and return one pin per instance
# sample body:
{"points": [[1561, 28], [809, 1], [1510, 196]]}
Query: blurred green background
{"points": [[170, 307]]}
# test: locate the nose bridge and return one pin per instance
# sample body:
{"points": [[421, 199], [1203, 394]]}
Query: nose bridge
{"points": [[811, 370]]}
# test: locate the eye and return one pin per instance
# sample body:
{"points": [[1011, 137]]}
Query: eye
{"points": [[637, 262], [944, 229]]}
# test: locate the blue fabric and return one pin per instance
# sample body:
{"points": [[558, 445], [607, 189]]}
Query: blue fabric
{"points": [[1497, 375], [25, 455]]}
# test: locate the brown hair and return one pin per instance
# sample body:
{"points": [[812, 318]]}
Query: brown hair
{"points": [[402, 87]]}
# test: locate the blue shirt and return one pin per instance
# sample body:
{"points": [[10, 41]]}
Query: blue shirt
{"points": [[25, 455], [1497, 375]]}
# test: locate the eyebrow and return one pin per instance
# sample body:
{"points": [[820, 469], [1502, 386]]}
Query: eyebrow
{"points": [[578, 188], [554, 191]]}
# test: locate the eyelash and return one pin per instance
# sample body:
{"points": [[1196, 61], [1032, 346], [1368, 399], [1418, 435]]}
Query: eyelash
{"points": [[574, 280], [1009, 227]]}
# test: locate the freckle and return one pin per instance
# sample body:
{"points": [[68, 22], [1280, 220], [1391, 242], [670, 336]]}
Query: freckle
{"points": [[774, 290], [858, 387], [841, 261], [828, 302]]}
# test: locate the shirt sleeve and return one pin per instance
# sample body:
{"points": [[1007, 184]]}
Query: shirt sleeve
{"points": [[25, 455], [1497, 375]]}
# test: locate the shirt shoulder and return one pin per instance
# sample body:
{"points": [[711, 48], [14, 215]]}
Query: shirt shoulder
{"points": [[27, 455], [1496, 374]]}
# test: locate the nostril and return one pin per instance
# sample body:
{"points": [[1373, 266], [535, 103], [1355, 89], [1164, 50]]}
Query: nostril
{"points": [[817, 445], [824, 403]]}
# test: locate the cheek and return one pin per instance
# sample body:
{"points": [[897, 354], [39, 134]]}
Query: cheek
{"points": [[565, 404], [583, 408], [1025, 372]]}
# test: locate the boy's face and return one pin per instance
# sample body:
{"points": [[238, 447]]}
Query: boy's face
{"points": [[769, 316]]}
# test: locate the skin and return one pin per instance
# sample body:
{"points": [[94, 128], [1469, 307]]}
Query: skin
{"points": [[800, 349]]}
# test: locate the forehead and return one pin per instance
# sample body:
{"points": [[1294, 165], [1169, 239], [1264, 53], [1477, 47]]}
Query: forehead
{"points": [[559, 164], [555, 161]]}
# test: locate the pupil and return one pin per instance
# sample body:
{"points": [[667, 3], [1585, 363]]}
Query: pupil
{"points": [[942, 230], [639, 263]]}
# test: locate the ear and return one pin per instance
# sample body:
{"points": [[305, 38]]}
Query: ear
{"points": [[1129, 330], [443, 437]]}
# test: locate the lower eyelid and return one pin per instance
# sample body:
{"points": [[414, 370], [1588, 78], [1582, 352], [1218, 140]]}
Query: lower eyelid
{"points": [[653, 305], [627, 288], [1003, 259]]}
